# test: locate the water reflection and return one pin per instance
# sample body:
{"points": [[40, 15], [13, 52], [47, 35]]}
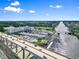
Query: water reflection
{"points": [[64, 43]]}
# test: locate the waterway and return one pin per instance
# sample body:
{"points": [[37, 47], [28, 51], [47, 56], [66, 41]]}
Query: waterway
{"points": [[64, 43], [2, 55]]}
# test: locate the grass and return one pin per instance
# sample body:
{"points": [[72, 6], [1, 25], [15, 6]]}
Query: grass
{"points": [[44, 28], [42, 42]]}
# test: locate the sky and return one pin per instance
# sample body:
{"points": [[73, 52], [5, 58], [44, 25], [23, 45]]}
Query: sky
{"points": [[39, 10]]}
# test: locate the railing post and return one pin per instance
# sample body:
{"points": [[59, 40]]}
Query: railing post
{"points": [[28, 55], [11, 44], [23, 53], [16, 48], [6, 42], [3, 40]]}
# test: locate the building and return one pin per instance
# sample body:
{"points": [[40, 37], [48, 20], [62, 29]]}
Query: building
{"points": [[12, 29]]}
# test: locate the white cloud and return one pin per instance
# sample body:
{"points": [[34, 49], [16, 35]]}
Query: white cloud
{"points": [[32, 11], [47, 14], [77, 7], [56, 6], [13, 9], [16, 3], [51, 6]]}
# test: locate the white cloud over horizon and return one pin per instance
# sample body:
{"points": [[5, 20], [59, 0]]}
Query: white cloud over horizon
{"points": [[16, 3], [13, 9], [56, 6], [47, 14], [32, 11]]}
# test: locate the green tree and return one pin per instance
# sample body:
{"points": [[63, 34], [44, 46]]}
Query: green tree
{"points": [[2, 29]]}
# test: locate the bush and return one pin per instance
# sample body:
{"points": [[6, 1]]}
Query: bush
{"points": [[42, 42]]}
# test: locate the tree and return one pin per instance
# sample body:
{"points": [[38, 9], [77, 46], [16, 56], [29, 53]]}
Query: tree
{"points": [[1, 29]]}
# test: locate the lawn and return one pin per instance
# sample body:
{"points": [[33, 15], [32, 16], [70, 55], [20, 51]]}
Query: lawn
{"points": [[45, 28]]}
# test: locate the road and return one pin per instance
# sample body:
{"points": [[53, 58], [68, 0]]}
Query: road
{"points": [[40, 51]]}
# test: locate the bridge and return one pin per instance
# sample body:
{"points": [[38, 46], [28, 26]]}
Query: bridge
{"points": [[14, 43]]}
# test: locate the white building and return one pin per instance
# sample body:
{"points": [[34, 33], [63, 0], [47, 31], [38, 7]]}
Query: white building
{"points": [[12, 29]]}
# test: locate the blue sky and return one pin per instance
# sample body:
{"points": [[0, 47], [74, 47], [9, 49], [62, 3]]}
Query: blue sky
{"points": [[39, 10]]}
